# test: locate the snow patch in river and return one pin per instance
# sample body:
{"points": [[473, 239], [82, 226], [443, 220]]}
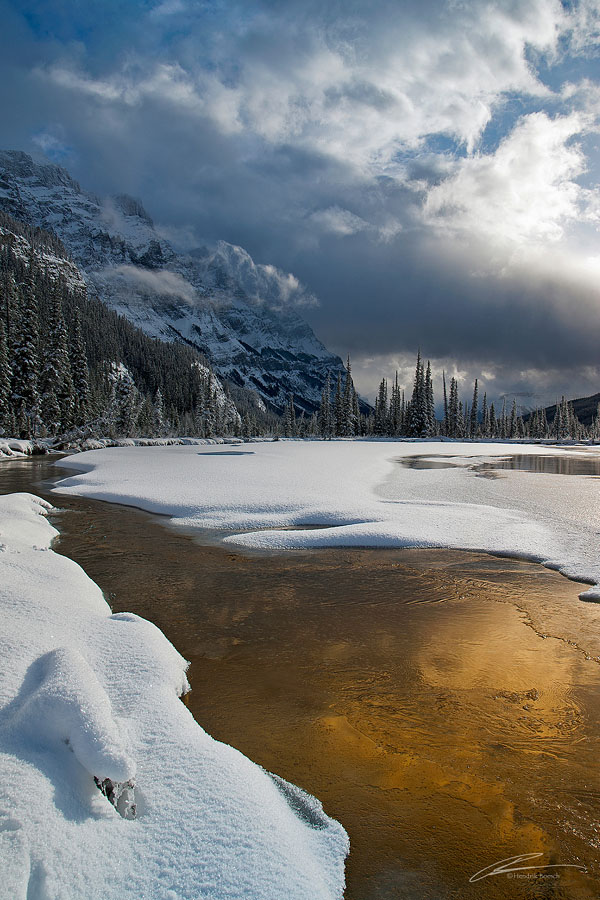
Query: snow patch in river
{"points": [[358, 488]]}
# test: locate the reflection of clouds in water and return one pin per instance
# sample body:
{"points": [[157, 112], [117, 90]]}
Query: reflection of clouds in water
{"points": [[545, 465]]}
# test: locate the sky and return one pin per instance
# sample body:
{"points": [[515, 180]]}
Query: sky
{"points": [[427, 169]]}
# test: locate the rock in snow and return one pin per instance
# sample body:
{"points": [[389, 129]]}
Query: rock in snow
{"points": [[87, 696]]}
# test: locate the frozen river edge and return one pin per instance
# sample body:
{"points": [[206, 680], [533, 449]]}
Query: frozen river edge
{"points": [[354, 494], [88, 696]]}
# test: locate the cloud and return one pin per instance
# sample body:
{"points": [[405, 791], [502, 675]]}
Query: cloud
{"points": [[338, 221], [167, 8], [360, 89], [148, 281], [52, 143], [523, 192], [227, 266]]}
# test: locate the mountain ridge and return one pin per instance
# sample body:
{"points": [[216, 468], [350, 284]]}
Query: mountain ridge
{"points": [[242, 315]]}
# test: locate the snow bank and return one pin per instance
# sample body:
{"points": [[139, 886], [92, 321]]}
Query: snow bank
{"points": [[14, 448], [365, 497], [90, 699]]}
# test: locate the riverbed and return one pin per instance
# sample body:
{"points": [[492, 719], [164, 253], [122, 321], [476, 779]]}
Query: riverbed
{"points": [[442, 705]]}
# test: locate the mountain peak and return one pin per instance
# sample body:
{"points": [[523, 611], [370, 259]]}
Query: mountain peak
{"points": [[47, 174], [131, 206]]}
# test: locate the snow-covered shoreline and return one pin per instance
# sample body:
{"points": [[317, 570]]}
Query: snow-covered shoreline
{"points": [[363, 496], [15, 448], [86, 693]]}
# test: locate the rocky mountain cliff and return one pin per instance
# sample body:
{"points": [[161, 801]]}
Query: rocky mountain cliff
{"points": [[241, 315]]}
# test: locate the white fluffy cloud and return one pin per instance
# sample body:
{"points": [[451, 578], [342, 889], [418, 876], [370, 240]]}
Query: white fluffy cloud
{"points": [[524, 192], [160, 283], [359, 89], [338, 221]]}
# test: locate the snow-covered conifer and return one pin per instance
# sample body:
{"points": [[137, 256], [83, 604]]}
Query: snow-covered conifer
{"points": [[512, 425], [79, 373], [418, 419], [474, 413], [5, 379], [325, 423], [485, 418], [158, 414], [380, 425], [338, 407], [348, 420], [453, 409], [56, 383], [429, 403], [25, 365], [289, 419]]}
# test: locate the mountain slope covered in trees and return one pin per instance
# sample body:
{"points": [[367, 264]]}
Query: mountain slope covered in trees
{"points": [[241, 315], [70, 364]]}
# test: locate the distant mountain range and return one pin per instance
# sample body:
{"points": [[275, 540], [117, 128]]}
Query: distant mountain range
{"points": [[243, 316]]}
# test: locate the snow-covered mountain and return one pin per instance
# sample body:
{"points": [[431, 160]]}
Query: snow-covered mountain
{"points": [[242, 315]]}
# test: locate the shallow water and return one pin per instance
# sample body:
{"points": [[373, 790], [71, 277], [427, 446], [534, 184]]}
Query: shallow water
{"points": [[442, 705], [574, 464]]}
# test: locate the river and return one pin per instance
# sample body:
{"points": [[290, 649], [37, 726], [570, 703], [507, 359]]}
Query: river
{"points": [[443, 706]]}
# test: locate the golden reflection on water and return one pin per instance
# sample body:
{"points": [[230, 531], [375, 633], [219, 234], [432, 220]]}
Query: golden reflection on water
{"points": [[442, 705]]}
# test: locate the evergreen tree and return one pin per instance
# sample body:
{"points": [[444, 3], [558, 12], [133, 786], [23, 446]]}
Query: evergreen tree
{"points": [[356, 416], [503, 422], [512, 425], [595, 427], [79, 374], [127, 399], [158, 414], [338, 407], [446, 423], [25, 366], [5, 380], [348, 419], [56, 383], [485, 418], [418, 418], [453, 409], [429, 403], [396, 422], [493, 422], [460, 420], [289, 420], [474, 414], [325, 423], [380, 425]]}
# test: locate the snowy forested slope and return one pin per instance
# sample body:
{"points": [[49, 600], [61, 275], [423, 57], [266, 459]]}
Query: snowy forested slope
{"points": [[242, 315]]}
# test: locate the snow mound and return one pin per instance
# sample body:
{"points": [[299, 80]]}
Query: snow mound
{"points": [[66, 703], [14, 448], [90, 699]]}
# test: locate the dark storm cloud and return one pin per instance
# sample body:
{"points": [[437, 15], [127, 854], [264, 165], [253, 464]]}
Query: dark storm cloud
{"points": [[340, 142]]}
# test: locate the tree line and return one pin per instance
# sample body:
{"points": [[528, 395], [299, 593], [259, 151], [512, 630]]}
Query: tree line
{"points": [[395, 415]]}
